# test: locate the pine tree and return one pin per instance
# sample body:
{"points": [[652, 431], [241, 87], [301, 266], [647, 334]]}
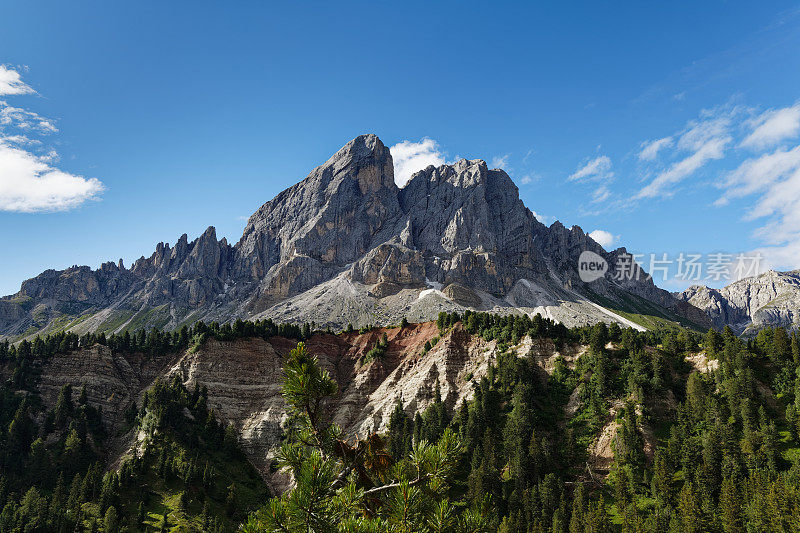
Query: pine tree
{"points": [[400, 437], [230, 501], [713, 343], [689, 509], [334, 479], [111, 521], [781, 346], [140, 516], [206, 516], [791, 420], [183, 501], [730, 507], [662, 476], [64, 407], [56, 511], [577, 520]]}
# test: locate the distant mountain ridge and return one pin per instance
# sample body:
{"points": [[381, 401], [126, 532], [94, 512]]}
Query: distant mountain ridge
{"points": [[346, 245], [747, 305]]}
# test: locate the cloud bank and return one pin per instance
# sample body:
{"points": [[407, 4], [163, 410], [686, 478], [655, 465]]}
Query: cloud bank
{"points": [[761, 148], [410, 157], [11, 82], [773, 126], [603, 238], [595, 169], [29, 182]]}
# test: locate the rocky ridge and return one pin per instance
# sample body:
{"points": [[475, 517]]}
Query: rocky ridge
{"points": [[244, 378], [750, 304], [346, 245]]}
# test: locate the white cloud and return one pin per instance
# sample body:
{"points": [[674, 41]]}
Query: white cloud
{"points": [[500, 161], [409, 157], [25, 120], [772, 127], [528, 155], [526, 179], [21, 140], [597, 168], [773, 179], [713, 149], [769, 181], [779, 203], [544, 219], [757, 174], [600, 194], [28, 181], [29, 184], [785, 257], [650, 149], [11, 82], [705, 140], [603, 238], [713, 124]]}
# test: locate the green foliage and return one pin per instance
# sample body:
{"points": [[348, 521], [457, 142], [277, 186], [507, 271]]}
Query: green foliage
{"points": [[725, 455], [357, 486], [377, 352], [718, 466], [152, 342], [51, 475]]}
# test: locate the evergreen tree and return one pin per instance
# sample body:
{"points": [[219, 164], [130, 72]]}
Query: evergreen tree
{"points": [[111, 521], [730, 506], [332, 477], [141, 516]]}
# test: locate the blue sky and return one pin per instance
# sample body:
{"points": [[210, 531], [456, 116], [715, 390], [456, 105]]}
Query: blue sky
{"points": [[671, 127]]}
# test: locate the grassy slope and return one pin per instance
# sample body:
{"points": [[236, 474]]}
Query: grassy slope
{"points": [[643, 312], [161, 495]]}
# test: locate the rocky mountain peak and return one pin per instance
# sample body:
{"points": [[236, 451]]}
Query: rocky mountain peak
{"points": [[368, 161], [747, 305], [314, 229], [345, 244]]}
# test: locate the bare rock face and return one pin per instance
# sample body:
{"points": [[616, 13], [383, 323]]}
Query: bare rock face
{"points": [[472, 226], [345, 245], [244, 379], [393, 263], [747, 305], [112, 381], [333, 216], [462, 295], [244, 387]]}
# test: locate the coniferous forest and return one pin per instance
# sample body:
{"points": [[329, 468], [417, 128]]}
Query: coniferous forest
{"points": [[712, 450]]}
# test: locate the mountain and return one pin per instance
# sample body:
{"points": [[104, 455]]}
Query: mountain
{"points": [[750, 304], [243, 378], [346, 245], [185, 429]]}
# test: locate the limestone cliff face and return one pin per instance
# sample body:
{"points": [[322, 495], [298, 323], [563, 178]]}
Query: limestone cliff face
{"points": [[112, 381], [244, 378], [472, 226], [769, 299], [325, 222], [345, 245], [244, 387]]}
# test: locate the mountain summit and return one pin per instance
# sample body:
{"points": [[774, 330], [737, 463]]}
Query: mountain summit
{"points": [[346, 245]]}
